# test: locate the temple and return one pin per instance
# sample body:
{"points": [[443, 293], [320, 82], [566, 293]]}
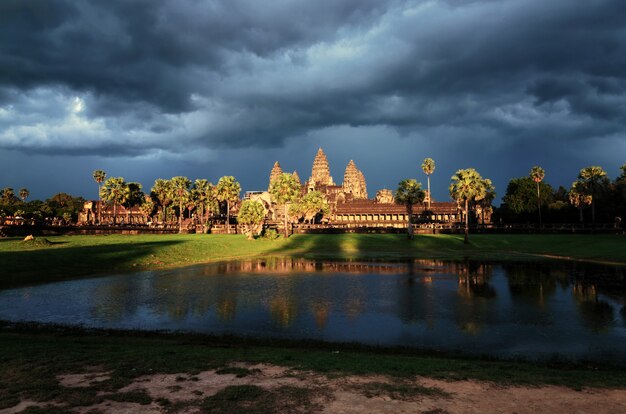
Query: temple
{"points": [[350, 206]]}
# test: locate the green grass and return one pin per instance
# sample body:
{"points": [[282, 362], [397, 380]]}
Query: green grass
{"points": [[68, 257]]}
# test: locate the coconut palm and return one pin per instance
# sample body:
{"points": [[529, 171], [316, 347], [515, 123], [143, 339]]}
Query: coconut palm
{"points": [[284, 190], [99, 176], [593, 178], [537, 174], [162, 192], [467, 186], [409, 192], [24, 193], [428, 166], [115, 191], [227, 190], [180, 192]]}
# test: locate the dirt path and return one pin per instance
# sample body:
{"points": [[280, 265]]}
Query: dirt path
{"points": [[272, 389]]}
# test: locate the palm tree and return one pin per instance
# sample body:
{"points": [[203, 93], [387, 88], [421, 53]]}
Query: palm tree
{"points": [[487, 199], [135, 197], [467, 185], [99, 176], [228, 190], [147, 207], [578, 197], [180, 191], [162, 192], [592, 178], [537, 174], [284, 190], [24, 193], [203, 194], [409, 192], [428, 166], [116, 191]]}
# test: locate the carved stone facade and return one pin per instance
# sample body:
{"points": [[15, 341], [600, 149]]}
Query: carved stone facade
{"points": [[275, 173], [320, 173], [384, 196], [354, 182]]}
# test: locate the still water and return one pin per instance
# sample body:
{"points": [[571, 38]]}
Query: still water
{"points": [[533, 311]]}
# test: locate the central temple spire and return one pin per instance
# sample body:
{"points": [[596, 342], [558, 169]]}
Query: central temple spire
{"points": [[320, 173]]}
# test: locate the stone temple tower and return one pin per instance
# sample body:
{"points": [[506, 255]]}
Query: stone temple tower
{"points": [[354, 182], [276, 172], [320, 175]]}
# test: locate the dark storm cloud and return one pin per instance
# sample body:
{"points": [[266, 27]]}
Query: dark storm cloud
{"points": [[140, 78]]}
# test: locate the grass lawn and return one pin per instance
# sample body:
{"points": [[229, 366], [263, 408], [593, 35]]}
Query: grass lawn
{"points": [[66, 257]]}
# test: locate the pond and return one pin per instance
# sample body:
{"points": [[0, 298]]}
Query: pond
{"points": [[528, 310]]}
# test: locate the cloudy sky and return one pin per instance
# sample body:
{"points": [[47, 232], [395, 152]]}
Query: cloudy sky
{"points": [[204, 88]]}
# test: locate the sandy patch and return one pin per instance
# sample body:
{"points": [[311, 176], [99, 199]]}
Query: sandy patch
{"points": [[21, 407], [185, 387], [353, 394], [83, 380], [121, 407]]}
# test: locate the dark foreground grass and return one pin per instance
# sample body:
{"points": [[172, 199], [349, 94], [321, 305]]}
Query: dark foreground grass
{"points": [[68, 257], [30, 360]]}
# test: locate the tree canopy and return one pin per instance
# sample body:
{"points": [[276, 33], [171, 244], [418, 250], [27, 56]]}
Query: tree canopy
{"points": [[409, 192]]}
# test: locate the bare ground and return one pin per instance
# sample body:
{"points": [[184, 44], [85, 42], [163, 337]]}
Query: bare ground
{"points": [[189, 393]]}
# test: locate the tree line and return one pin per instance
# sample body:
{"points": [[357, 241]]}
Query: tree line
{"points": [[591, 198]]}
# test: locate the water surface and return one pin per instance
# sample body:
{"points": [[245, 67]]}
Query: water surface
{"points": [[534, 311]]}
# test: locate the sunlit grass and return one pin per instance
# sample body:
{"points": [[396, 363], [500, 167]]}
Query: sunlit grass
{"points": [[75, 256]]}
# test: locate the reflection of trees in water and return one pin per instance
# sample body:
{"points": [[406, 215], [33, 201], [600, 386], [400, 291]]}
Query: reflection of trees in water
{"points": [[115, 300], [321, 312], [416, 301], [474, 296], [226, 306], [596, 315], [534, 283], [283, 310]]}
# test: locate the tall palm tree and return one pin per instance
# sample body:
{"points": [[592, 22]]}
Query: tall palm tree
{"points": [[203, 194], [593, 178], [116, 191], [537, 174], [180, 191], [409, 192], [162, 192], [24, 193], [467, 185], [285, 189], [227, 190], [99, 176], [428, 166]]}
